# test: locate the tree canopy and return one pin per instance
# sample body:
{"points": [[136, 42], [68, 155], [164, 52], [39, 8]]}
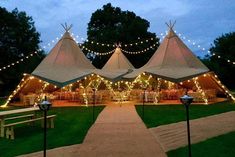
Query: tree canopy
{"points": [[112, 25], [18, 38], [224, 46]]}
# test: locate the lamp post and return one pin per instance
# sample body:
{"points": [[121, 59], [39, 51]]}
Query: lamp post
{"points": [[45, 106], [187, 100], [93, 106], [143, 102]]}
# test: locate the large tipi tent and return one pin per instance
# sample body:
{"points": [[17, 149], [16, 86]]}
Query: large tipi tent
{"points": [[174, 61], [117, 66], [64, 64]]}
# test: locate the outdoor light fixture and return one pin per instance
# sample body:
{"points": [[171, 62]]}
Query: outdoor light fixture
{"points": [[187, 100], [45, 106], [93, 106]]}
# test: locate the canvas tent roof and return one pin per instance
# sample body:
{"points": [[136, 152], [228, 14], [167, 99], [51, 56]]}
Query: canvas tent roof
{"points": [[173, 61], [117, 66], [64, 64]]}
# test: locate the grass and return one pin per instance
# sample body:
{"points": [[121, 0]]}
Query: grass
{"points": [[71, 126], [221, 146], [156, 115], [2, 101]]}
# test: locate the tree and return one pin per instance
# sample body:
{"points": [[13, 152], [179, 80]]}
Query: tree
{"points": [[18, 38], [112, 25], [224, 46]]}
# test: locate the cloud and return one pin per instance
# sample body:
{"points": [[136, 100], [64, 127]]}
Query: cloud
{"points": [[201, 21]]}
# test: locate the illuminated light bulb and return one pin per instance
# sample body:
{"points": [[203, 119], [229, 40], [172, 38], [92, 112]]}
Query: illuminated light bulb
{"points": [[204, 75], [228, 60], [181, 83]]}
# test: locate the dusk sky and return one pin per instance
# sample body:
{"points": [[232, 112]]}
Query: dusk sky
{"points": [[200, 21]]}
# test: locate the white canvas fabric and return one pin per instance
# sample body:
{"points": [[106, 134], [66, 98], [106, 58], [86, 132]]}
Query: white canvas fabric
{"points": [[173, 61], [64, 64], [116, 66]]}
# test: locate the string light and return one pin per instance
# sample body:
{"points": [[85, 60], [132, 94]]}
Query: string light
{"points": [[41, 96], [23, 81], [18, 61], [139, 42], [98, 53], [142, 51], [215, 78], [207, 51], [199, 88]]}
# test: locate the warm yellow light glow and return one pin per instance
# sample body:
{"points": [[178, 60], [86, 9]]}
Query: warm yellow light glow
{"points": [[4, 106]]}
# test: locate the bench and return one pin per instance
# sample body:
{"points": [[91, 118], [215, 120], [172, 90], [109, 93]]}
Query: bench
{"points": [[10, 127], [22, 116]]}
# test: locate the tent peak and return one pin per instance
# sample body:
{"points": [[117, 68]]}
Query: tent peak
{"points": [[171, 32], [66, 27], [170, 24], [118, 45]]}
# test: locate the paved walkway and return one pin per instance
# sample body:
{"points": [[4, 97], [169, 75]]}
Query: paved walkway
{"points": [[173, 136], [118, 132]]}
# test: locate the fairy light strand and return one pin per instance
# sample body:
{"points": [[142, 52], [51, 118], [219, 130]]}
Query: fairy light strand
{"points": [[204, 49], [18, 61]]}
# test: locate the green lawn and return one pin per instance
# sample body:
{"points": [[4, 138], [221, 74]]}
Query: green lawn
{"points": [[156, 115], [2, 101], [221, 146], [71, 126]]}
